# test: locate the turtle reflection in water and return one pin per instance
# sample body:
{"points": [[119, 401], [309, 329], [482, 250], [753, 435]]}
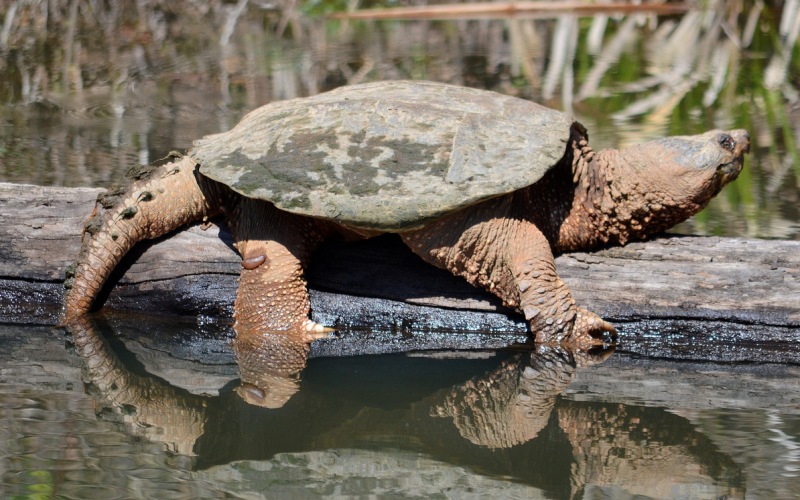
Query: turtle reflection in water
{"points": [[513, 403], [483, 185], [511, 421]]}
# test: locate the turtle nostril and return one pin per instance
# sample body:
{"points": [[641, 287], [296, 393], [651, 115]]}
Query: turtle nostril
{"points": [[743, 140]]}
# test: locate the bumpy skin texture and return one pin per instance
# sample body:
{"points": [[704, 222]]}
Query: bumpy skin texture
{"points": [[590, 200], [169, 198], [146, 405], [513, 403], [505, 244], [493, 246]]}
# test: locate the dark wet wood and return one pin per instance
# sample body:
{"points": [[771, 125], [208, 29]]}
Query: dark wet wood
{"points": [[379, 283]]}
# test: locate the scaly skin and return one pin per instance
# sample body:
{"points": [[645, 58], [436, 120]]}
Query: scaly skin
{"points": [[271, 310], [626, 195], [168, 199], [147, 406], [493, 247], [512, 404], [273, 332]]}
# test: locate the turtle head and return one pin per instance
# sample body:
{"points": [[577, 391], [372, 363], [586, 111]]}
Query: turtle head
{"points": [[660, 183], [701, 164]]}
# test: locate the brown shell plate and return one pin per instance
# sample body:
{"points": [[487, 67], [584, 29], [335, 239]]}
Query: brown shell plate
{"points": [[389, 155]]}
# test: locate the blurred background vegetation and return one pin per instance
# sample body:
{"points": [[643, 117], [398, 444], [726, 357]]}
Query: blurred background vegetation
{"points": [[93, 87]]}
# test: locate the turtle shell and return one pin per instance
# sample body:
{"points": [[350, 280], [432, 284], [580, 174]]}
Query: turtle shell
{"points": [[389, 155]]}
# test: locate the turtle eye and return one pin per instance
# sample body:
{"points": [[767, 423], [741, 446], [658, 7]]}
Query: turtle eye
{"points": [[726, 142]]}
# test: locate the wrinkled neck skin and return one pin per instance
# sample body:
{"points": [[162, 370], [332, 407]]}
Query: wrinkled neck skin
{"points": [[608, 201]]}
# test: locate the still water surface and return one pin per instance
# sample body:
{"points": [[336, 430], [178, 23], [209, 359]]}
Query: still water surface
{"points": [[127, 418], [97, 88]]}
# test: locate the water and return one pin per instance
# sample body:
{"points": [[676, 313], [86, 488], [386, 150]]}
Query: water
{"points": [[129, 419], [134, 81]]}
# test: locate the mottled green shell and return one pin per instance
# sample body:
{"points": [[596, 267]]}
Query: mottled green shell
{"points": [[388, 155]]}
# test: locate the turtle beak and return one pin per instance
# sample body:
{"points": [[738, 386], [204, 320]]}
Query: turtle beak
{"points": [[741, 147], [742, 139]]}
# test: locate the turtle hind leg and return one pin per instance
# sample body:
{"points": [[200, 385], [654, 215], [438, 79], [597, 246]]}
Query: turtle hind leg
{"points": [[273, 330], [170, 198]]}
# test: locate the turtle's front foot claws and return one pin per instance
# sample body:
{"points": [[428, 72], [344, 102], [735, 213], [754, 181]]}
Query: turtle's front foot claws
{"points": [[585, 330], [590, 329]]}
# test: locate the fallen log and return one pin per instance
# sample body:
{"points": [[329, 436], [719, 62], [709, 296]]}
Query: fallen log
{"points": [[378, 284]]}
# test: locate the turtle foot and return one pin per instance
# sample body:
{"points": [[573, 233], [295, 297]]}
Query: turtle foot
{"points": [[590, 329]]}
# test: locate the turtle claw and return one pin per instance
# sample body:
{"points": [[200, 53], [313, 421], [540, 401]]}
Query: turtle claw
{"points": [[590, 329], [579, 329]]}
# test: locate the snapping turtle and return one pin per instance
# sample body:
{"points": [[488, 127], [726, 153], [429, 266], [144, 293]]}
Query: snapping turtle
{"points": [[486, 186]]}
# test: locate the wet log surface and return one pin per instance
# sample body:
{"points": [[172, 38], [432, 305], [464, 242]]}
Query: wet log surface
{"points": [[743, 293]]}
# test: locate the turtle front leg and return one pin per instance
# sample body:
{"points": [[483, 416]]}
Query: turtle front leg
{"points": [[542, 296], [271, 310], [511, 258], [273, 332]]}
